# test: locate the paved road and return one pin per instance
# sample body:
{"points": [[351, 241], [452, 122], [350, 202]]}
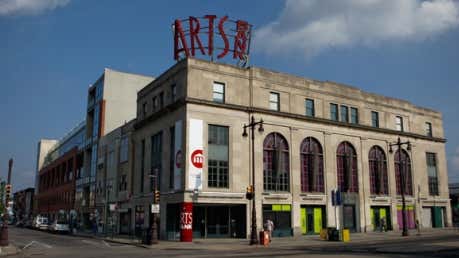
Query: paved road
{"points": [[41, 244]]}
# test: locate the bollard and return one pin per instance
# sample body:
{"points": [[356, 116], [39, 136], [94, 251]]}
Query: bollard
{"points": [[4, 236]]}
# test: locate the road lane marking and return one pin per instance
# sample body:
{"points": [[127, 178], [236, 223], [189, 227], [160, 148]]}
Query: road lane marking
{"points": [[90, 242], [36, 243]]}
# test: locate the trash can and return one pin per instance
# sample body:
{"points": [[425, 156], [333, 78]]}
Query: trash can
{"points": [[324, 234], [346, 235], [333, 234]]}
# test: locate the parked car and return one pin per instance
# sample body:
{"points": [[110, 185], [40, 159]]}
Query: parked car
{"points": [[59, 226], [20, 224], [40, 222], [28, 223]]}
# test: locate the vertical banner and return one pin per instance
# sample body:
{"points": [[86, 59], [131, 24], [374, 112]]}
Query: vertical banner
{"points": [[178, 156], [186, 222], [196, 155]]}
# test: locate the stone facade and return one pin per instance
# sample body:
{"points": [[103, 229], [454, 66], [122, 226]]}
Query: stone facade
{"points": [[187, 93]]}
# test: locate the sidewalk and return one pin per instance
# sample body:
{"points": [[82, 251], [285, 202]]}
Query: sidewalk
{"points": [[312, 241], [8, 250]]}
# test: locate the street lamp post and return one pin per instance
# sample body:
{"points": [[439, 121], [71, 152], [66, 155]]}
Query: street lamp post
{"points": [[399, 145], [251, 125]]}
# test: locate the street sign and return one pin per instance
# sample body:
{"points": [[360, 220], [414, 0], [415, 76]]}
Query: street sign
{"points": [[336, 197], [155, 208], [112, 207]]}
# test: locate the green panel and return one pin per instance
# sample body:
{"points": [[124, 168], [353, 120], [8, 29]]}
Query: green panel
{"points": [[276, 207], [304, 228], [317, 220], [286, 207], [382, 213], [372, 218]]}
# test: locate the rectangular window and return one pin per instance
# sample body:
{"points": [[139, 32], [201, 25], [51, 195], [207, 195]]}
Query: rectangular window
{"points": [[123, 183], [354, 115], [428, 129], [161, 100], [124, 149], [171, 156], [310, 107], [344, 114], [218, 93], [142, 165], [144, 109], [274, 101], [155, 103], [174, 92], [399, 123], [432, 173], [374, 119], [156, 164], [218, 156], [333, 112]]}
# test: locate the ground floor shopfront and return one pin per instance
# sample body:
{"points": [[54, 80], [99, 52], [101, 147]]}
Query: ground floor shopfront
{"points": [[233, 219], [433, 217]]}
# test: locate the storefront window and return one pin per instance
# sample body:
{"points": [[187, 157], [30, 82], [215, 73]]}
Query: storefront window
{"points": [[280, 215]]}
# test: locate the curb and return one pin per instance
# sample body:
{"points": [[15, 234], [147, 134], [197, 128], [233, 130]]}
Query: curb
{"points": [[8, 250]]}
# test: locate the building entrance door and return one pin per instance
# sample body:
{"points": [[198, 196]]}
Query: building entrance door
{"points": [[377, 215], [311, 220], [349, 217], [426, 217]]}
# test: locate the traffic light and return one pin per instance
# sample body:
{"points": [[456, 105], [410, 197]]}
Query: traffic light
{"points": [[157, 195], [8, 191], [249, 194]]}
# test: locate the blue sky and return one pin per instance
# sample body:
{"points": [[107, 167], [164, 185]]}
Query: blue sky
{"points": [[51, 50]]}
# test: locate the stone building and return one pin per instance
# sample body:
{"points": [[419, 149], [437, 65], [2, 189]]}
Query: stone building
{"points": [[318, 136], [113, 180]]}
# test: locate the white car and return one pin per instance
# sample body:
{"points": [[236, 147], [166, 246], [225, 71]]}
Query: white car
{"points": [[59, 226], [40, 222]]}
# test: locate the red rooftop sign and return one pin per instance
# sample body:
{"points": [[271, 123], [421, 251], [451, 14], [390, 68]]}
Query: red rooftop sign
{"points": [[211, 36]]}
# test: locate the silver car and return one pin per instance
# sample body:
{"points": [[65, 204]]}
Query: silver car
{"points": [[59, 226]]}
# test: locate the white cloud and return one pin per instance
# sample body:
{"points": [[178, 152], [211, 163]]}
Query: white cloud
{"points": [[313, 26], [29, 7]]}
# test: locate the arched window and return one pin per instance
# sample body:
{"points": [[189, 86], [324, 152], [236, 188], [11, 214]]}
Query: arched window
{"points": [[346, 160], [378, 171], [404, 158], [312, 166], [276, 167]]}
